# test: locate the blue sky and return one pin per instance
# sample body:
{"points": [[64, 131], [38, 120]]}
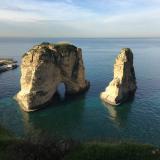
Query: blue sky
{"points": [[80, 18]]}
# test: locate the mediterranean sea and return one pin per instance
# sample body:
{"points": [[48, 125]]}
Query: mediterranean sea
{"points": [[86, 117]]}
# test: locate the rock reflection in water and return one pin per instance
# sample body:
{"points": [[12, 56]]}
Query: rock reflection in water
{"points": [[50, 119], [119, 114]]}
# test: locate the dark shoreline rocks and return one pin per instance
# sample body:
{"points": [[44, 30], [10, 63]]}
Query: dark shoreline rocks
{"points": [[7, 64]]}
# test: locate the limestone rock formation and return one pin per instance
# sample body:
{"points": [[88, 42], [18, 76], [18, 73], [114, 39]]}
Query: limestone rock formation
{"points": [[44, 67], [123, 84]]}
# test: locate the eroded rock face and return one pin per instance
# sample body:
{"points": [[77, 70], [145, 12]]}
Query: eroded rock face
{"points": [[123, 84], [44, 67]]}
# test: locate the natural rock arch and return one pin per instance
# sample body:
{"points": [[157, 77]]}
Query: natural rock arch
{"points": [[44, 67]]}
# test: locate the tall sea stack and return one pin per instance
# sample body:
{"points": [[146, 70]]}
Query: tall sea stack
{"points": [[123, 84], [44, 67]]}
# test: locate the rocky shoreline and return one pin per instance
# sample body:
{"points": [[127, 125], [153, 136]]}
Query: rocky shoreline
{"points": [[7, 64]]}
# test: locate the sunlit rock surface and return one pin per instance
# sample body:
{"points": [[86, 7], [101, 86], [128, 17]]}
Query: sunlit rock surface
{"points": [[123, 84], [44, 67]]}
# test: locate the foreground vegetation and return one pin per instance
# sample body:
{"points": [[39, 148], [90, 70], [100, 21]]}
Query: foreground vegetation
{"points": [[43, 148], [121, 151]]}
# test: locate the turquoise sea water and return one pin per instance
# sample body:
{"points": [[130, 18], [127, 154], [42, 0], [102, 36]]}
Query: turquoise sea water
{"points": [[86, 117]]}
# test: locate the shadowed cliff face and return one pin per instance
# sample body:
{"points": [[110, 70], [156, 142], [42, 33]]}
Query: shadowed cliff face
{"points": [[44, 67], [123, 84]]}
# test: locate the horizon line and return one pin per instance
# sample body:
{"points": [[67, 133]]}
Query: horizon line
{"points": [[130, 37]]}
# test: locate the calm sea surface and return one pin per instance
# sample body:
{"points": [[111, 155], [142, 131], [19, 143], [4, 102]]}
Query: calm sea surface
{"points": [[86, 117]]}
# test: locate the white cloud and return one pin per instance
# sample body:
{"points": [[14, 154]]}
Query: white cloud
{"points": [[67, 18], [44, 11]]}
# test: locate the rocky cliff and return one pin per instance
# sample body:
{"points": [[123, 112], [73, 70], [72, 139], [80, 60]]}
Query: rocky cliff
{"points": [[123, 84], [44, 67]]}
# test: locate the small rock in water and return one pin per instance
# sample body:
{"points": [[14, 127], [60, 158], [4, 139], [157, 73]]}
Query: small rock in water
{"points": [[7, 64]]}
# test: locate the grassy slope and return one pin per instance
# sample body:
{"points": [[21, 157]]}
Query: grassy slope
{"points": [[13, 149], [105, 151]]}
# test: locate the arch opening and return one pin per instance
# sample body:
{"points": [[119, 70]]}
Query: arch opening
{"points": [[61, 89]]}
